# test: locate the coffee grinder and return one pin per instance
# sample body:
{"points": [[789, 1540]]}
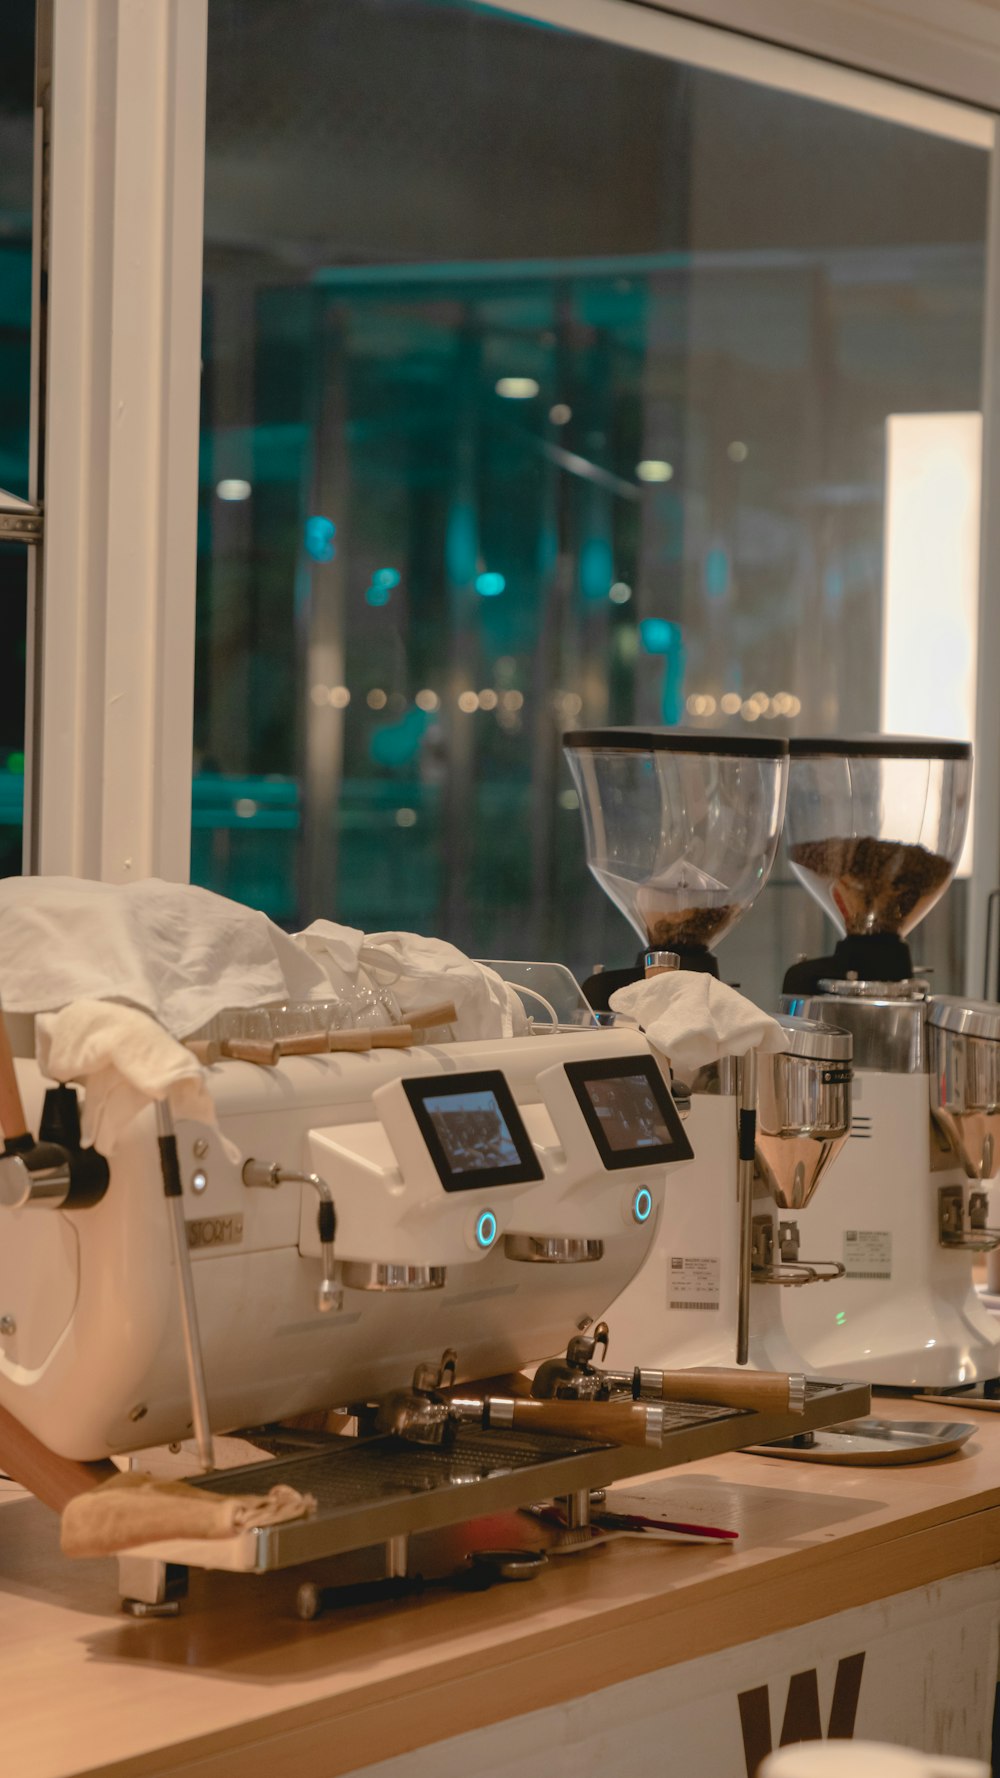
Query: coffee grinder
{"points": [[874, 829], [681, 832]]}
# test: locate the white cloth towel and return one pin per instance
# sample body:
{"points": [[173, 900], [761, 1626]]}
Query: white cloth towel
{"points": [[419, 971], [179, 952], [695, 1020], [125, 1060]]}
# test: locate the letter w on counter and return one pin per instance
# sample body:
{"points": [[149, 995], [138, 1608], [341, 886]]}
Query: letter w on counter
{"points": [[802, 1719]]}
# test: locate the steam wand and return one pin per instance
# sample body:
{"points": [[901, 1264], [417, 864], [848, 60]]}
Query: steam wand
{"points": [[173, 1191], [747, 1114]]}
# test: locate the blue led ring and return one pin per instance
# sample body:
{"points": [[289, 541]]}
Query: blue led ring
{"points": [[486, 1228], [642, 1204]]}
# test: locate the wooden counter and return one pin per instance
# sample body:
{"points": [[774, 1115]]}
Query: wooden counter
{"points": [[237, 1683]]}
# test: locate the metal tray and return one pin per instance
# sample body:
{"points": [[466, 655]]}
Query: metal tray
{"points": [[373, 1489], [874, 1442]]}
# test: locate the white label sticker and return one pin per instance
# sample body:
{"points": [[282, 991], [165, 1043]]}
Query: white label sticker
{"points": [[868, 1253], [693, 1283]]}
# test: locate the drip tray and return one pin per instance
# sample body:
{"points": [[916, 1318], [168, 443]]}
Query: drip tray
{"points": [[872, 1442], [370, 1490]]}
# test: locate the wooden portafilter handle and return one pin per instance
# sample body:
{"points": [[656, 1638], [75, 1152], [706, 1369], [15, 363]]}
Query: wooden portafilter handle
{"points": [[774, 1392], [606, 1422], [13, 1122]]}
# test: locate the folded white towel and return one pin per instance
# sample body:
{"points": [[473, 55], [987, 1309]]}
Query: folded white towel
{"points": [[694, 1019], [419, 971], [125, 1060]]}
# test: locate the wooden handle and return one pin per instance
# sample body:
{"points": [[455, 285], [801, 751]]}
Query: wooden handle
{"points": [[246, 1050], [13, 1122], [445, 1013], [305, 1043], [349, 1041], [765, 1391], [207, 1050], [53, 1480], [608, 1422], [392, 1037]]}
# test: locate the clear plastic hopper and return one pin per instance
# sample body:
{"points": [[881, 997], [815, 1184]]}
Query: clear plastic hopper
{"points": [[681, 829], [874, 827]]}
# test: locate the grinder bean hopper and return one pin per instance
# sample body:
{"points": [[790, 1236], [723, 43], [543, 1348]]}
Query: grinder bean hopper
{"points": [[874, 829], [681, 831]]}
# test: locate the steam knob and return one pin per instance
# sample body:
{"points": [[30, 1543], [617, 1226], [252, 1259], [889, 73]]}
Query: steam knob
{"points": [[39, 1175], [58, 1175]]}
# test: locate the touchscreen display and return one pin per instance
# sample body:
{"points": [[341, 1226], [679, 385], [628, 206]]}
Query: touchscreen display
{"points": [[629, 1114], [472, 1131], [628, 1111]]}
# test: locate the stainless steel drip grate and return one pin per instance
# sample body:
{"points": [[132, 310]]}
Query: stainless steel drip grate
{"points": [[370, 1490], [349, 1472]]}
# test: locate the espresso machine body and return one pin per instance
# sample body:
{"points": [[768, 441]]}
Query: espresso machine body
{"points": [[498, 1245]]}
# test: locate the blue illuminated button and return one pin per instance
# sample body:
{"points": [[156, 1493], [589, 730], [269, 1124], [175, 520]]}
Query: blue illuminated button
{"points": [[486, 1228], [642, 1204]]}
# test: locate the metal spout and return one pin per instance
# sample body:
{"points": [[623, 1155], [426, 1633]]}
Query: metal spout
{"points": [[360, 1274], [552, 1250], [803, 1111]]}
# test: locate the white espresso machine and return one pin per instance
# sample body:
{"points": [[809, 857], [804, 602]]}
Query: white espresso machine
{"points": [[681, 831], [874, 829], [465, 1208]]}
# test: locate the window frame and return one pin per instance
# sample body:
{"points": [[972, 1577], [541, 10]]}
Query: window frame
{"points": [[112, 646]]}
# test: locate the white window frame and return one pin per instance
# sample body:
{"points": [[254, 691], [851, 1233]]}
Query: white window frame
{"points": [[112, 633], [112, 636]]}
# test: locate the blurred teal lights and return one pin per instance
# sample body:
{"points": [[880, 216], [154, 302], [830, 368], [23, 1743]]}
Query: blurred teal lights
{"points": [[717, 573], [383, 582], [596, 568], [488, 585], [658, 635], [320, 533], [397, 744], [461, 544]]}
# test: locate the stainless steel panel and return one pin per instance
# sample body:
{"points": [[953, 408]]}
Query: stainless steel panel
{"points": [[888, 1033], [816, 1038], [964, 1084]]}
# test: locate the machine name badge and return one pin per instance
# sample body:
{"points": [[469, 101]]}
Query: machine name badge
{"points": [[693, 1283], [868, 1253], [215, 1231]]}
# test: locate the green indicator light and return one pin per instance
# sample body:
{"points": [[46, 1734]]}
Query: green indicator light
{"points": [[841, 1318]]}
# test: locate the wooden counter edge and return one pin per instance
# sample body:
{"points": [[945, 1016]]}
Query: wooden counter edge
{"points": [[326, 1738]]}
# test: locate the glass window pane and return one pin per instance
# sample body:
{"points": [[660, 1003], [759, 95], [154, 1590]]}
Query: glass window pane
{"points": [[546, 385], [17, 36]]}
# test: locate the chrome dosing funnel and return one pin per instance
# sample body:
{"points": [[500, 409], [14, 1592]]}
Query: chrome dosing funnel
{"points": [[803, 1110], [681, 828], [964, 1078]]}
